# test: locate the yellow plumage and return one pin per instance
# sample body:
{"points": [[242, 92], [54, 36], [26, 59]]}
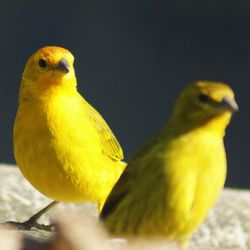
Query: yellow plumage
{"points": [[169, 186], [61, 143]]}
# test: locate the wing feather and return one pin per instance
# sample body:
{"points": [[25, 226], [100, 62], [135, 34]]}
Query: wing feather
{"points": [[110, 145]]}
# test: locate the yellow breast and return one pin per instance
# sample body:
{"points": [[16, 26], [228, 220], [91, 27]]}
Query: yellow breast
{"points": [[59, 152]]}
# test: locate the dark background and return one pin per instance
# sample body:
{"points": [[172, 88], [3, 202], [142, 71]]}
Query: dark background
{"points": [[132, 59]]}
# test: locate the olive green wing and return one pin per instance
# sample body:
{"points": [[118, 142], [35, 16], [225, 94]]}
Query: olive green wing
{"points": [[125, 183], [110, 145], [117, 194]]}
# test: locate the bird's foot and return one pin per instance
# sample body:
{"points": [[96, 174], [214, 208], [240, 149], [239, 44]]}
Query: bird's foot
{"points": [[28, 225], [32, 221]]}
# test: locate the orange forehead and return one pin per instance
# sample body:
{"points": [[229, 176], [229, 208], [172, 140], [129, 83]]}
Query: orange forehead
{"points": [[53, 54]]}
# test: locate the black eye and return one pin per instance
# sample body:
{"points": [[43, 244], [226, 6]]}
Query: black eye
{"points": [[42, 63], [203, 98]]}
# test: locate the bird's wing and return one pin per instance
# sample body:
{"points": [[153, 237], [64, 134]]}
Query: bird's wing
{"points": [[126, 181], [110, 145], [117, 194]]}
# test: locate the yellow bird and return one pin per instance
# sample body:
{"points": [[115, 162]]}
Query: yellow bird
{"points": [[62, 145], [169, 186]]}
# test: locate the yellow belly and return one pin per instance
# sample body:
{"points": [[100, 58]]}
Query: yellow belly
{"points": [[63, 160]]}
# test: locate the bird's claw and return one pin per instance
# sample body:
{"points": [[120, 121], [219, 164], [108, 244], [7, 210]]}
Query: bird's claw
{"points": [[28, 225]]}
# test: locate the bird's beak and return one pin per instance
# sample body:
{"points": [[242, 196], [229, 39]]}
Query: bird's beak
{"points": [[230, 104], [63, 65]]}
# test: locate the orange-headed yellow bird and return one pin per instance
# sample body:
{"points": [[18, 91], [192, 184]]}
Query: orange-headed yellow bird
{"points": [[62, 145]]}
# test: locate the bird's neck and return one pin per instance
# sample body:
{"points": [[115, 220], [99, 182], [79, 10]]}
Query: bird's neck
{"points": [[42, 91], [215, 125], [218, 124]]}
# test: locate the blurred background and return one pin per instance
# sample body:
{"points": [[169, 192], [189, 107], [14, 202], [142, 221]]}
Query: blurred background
{"points": [[132, 58]]}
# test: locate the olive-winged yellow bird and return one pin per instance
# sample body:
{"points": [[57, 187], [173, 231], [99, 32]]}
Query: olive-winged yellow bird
{"points": [[168, 187], [62, 145]]}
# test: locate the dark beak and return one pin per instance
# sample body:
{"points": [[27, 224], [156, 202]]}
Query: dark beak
{"points": [[230, 104], [63, 65]]}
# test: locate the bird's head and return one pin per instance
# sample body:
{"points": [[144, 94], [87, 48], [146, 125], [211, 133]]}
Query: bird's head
{"points": [[49, 66], [205, 101]]}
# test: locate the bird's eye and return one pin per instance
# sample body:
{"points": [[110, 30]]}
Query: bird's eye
{"points": [[42, 63], [203, 98]]}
